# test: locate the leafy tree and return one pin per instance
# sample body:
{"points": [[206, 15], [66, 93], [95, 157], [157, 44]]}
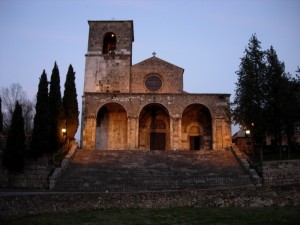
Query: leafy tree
{"points": [[56, 111], [70, 104], [13, 155], [40, 135], [247, 107], [9, 97]]}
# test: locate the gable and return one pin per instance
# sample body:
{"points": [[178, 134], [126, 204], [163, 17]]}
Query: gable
{"points": [[157, 62], [170, 76]]}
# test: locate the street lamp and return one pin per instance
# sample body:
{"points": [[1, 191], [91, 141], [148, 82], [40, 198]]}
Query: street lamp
{"points": [[247, 132], [64, 131]]}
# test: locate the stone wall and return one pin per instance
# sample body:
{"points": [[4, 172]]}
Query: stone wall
{"points": [[273, 172], [108, 72], [284, 172], [34, 175], [32, 204], [122, 29]]}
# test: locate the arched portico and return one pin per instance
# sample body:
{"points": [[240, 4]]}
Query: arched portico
{"points": [[196, 124], [111, 127], [154, 127]]}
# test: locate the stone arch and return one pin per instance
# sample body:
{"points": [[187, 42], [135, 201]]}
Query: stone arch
{"points": [[154, 127], [196, 126], [111, 127], [109, 43]]}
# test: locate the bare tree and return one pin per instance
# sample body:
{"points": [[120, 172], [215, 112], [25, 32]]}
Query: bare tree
{"points": [[10, 95]]}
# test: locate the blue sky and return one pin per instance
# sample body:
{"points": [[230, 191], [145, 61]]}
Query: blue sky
{"points": [[205, 37]]}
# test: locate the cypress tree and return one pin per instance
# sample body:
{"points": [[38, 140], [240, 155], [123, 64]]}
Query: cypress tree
{"points": [[13, 154], [70, 104], [40, 135], [56, 111]]}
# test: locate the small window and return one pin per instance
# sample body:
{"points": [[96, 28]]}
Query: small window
{"points": [[109, 43], [153, 83]]}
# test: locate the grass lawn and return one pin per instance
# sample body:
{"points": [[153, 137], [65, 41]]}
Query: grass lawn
{"points": [[173, 216]]}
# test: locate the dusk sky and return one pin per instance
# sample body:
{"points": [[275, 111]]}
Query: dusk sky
{"points": [[206, 38]]}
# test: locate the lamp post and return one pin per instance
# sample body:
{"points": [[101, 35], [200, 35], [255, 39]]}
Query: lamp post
{"points": [[248, 142]]}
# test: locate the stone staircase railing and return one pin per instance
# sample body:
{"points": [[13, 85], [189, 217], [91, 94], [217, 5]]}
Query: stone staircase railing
{"points": [[64, 165], [242, 159]]}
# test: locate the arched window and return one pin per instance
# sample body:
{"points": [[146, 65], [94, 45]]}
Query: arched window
{"points": [[109, 43]]}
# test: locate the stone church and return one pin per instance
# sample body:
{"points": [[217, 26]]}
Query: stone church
{"points": [[143, 106]]}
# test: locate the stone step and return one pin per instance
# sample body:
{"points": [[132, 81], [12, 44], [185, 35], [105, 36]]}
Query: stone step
{"points": [[151, 170]]}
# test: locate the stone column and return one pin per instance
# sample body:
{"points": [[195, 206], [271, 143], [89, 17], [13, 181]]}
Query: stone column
{"points": [[217, 134], [221, 133], [89, 132], [175, 132], [226, 133], [132, 132]]}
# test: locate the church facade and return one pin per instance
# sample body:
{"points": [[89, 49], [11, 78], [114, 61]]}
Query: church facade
{"points": [[143, 106]]}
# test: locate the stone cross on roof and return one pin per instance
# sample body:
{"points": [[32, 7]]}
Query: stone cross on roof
{"points": [[153, 53]]}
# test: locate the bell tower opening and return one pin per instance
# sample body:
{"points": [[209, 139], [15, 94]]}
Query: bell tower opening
{"points": [[109, 43]]}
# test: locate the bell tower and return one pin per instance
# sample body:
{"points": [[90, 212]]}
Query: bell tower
{"points": [[109, 57]]}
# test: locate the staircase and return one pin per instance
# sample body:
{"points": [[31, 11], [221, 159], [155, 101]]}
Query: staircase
{"points": [[124, 171]]}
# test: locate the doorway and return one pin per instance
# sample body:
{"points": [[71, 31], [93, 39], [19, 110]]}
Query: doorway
{"points": [[157, 141], [195, 142], [154, 128]]}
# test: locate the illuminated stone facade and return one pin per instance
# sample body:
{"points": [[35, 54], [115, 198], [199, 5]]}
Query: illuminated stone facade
{"points": [[144, 106]]}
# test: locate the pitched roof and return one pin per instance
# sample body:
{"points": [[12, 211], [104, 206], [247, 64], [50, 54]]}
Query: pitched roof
{"points": [[155, 61]]}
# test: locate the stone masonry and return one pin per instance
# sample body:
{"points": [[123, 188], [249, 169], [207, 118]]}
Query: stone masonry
{"points": [[144, 106]]}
